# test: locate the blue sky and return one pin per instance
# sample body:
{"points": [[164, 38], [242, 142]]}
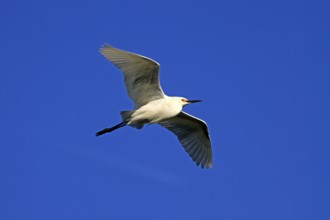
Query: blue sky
{"points": [[261, 67]]}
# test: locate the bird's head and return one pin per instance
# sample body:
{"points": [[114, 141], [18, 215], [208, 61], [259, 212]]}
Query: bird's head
{"points": [[183, 101]]}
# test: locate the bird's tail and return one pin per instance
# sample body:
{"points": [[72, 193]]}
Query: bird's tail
{"points": [[106, 130], [126, 115]]}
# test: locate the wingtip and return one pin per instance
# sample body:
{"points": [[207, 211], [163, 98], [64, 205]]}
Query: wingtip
{"points": [[207, 166], [105, 46]]}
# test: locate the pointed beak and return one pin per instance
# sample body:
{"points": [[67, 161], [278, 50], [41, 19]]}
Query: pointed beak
{"points": [[194, 101]]}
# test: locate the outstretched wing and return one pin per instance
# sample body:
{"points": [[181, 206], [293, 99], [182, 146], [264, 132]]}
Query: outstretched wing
{"points": [[193, 135], [141, 74]]}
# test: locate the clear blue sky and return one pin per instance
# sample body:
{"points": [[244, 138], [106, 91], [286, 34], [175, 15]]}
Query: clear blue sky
{"points": [[261, 67]]}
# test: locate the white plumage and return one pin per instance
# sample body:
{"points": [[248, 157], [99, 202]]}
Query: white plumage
{"points": [[152, 106]]}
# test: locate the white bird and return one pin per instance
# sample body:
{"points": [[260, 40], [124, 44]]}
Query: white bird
{"points": [[152, 106]]}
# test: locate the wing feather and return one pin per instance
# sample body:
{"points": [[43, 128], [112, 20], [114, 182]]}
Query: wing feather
{"points": [[193, 135], [141, 74]]}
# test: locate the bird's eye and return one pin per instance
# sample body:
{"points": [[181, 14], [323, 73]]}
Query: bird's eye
{"points": [[184, 100]]}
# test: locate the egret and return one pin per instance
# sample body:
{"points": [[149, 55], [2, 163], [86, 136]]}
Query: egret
{"points": [[152, 106]]}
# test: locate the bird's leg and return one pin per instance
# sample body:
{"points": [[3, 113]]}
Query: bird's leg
{"points": [[106, 130]]}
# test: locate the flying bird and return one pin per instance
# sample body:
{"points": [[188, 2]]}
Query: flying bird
{"points": [[152, 106]]}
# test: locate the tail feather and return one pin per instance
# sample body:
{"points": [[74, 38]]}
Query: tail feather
{"points": [[126, 115], [107, 130]]}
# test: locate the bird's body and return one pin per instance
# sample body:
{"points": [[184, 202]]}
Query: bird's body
{"points": [[152, 106], [156, 111]]}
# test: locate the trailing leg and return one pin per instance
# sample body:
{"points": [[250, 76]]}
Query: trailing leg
{"points": [[107, 130]]}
